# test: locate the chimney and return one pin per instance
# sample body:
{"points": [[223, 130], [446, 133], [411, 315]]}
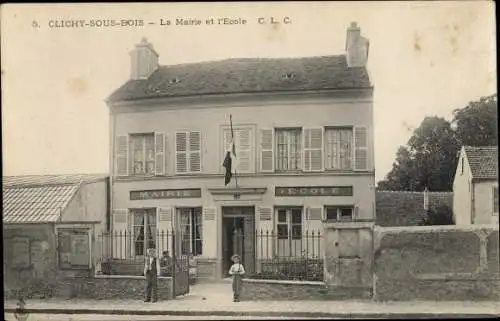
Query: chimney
{"points": [[426, 199], [144, 60], [356, 47]]}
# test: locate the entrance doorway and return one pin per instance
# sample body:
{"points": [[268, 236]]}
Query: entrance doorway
{"points": [[238, 237]]}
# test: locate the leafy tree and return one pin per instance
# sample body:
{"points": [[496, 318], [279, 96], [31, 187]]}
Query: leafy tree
{"points": [[443, 215], [477, 123], [431, 155]]}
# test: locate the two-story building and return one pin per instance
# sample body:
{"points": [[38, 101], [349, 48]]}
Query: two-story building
{"points": [[303, 131]]}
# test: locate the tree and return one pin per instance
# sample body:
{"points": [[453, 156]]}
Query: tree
{"points": [[477, 123], [428, 160], [431, 155], [443, 215]]}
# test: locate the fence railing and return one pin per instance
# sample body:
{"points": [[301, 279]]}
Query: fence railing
{"points": [[284, 254]]}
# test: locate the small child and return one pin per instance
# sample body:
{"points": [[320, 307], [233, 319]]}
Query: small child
{"points": [[237, 270]]}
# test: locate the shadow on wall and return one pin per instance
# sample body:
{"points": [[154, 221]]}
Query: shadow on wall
{"points": [[436, 263]]}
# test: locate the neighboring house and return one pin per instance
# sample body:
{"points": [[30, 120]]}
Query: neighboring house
{"points": [[403, 208], [475, 186], [49, 226], [304, 140]]}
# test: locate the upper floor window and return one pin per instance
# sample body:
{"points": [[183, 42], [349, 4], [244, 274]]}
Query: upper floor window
{"points": [[188, 152], [244, 147], [288, 149], [143, 154], [338, 148], [140, 154]]}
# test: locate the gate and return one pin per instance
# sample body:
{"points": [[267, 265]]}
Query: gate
{"points": [[180, 275]]}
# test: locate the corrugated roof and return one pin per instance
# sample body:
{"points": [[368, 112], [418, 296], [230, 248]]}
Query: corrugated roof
{"points": [[40, 198], [39, 180], [402, 208], [483, 161], [246, 75]]}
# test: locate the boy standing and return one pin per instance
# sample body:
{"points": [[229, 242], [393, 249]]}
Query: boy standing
{"points": [[150, 271], [237, 270]]}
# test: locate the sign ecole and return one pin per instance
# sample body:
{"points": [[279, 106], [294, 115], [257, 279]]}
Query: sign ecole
{"points": [[314, 191]]}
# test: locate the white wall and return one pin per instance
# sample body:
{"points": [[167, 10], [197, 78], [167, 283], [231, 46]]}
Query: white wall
{"points": [[484, 203]]}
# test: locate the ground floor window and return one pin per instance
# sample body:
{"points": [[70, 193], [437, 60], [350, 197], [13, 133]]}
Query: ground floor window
{"points": [[191, 230], [289, 231], [144, 230], [339, 213], [74, 248]]}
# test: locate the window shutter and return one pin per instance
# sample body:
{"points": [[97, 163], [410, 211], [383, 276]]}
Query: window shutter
{"points": [[120, 220], [313, 149], [209, 213], [360, 148], [195, 151], [164, 229], [181, 152], [266, 150], [159, 153], [244, 150], [122, 156]]}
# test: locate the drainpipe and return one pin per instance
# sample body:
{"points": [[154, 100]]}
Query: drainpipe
{"points": [[472, 205]]}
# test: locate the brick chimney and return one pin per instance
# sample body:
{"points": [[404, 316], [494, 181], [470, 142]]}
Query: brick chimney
{"points": [[144, 60], [356, 47]]}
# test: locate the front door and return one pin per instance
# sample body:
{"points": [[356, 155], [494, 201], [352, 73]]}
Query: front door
{"points": [[144, 231], [238, 226]]}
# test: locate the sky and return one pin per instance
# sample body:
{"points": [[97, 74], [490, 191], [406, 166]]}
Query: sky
{"points": [[426, 59]]}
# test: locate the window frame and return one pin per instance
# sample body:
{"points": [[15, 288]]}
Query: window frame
{"points": [[327, 166], [143, 137], [298, 153], [146, 211], [193, 240], [290, 225], [339, 209], [72, 231]]}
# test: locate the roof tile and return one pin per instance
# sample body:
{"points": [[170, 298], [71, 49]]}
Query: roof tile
{"points": [[245, 75], [483, 161]]}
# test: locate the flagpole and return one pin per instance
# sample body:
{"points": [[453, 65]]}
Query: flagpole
{"points": [[232, 137]]}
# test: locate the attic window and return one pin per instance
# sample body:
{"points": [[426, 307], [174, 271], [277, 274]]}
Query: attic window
{"points": [[174, 81], [288, 76]]}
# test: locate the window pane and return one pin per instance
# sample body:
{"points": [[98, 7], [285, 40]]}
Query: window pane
{"points": [[282, 216], [331, 213], [282, 231], [346, 214], [296, 216], [296, 231]]}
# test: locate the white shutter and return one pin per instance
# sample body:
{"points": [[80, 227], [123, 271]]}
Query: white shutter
{"points": [[159, 153], [195, 151], [360, 148], [122, 156], [164, 229], [313, 149], [181, 161], [266, 150], [209, 213], [120, 226], [244, 150]]}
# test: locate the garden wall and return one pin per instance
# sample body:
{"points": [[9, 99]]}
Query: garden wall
{"points": [[277, 290], [436, 263]]}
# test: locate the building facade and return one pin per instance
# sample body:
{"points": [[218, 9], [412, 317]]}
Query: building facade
{"points": [[50, 226], [475, 186], [303, 131]]}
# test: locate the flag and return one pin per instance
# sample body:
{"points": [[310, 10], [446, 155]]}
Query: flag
{"points": [[230, 161]]}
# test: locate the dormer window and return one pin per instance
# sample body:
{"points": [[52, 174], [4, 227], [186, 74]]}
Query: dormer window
{"points": [[174, 81], [288, 76]]}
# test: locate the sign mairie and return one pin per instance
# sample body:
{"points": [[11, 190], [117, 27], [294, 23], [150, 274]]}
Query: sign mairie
{"points": [[165, 193], [314, 191]]}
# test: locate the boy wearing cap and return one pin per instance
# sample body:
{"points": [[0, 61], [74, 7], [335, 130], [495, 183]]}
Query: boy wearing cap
{"points": [[237, 270], [150, 272]]}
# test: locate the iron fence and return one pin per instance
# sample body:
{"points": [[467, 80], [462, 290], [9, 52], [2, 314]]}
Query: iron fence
{"points": [[293, 254], [281, 255]]}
